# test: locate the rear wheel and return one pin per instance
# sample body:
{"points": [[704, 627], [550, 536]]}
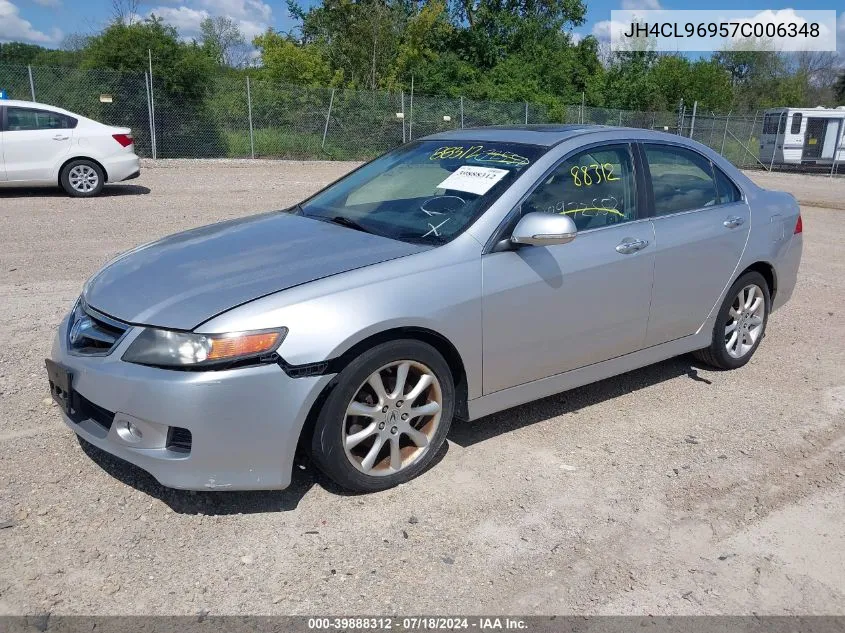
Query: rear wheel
{"points": [[82, 178], [740, 324], [387, 417]]}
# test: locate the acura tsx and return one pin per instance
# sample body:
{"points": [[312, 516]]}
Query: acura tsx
{"points": [[458, 275]]}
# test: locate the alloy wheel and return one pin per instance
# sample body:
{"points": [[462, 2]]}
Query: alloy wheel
{"points": [[392, 418], [83, 178], [745, 321]]}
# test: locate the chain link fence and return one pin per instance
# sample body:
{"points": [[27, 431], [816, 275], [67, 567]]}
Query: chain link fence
{"points": [[241, 117]]}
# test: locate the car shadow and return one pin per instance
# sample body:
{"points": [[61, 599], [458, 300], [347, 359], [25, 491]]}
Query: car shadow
{"points": [[466, 434], [305, 475], [55, 192], [219, 502]]}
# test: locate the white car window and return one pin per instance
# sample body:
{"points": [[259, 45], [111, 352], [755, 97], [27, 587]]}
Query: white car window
{"points": [[20, 119]]}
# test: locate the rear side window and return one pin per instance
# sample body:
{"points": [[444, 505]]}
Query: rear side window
{"points": [[681, 179], [796, 123], [595, 187], [21, 119], [725, 187]]}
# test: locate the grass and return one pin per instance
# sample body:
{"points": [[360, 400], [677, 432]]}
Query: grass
{"points": [[276, 143]]}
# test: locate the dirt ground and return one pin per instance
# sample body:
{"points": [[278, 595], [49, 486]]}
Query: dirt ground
{"points": [[673, 489]]}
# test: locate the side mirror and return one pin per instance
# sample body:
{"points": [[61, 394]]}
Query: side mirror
{"points": [[544, 229]]}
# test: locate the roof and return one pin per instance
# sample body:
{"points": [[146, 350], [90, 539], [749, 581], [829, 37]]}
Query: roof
{"points": [[17, 103], [546, 135]]}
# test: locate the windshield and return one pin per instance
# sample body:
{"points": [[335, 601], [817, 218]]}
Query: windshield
{"points": [[425, 192]]}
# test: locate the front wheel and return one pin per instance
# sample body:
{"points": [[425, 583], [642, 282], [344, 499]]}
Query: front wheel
{"points": [[387, 417], [740, 324]]}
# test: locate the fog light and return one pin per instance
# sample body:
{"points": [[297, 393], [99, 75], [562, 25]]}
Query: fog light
{"points": [[129, 431]]}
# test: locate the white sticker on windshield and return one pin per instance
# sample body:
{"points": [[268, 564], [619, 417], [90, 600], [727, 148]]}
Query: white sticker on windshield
{"points": [[477, 180]]}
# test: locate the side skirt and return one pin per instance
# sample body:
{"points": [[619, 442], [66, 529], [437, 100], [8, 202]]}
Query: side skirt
{"points": [[514, 396]]}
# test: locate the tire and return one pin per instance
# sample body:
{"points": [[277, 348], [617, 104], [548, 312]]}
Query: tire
{"points": [[82, 178], [750, 325], [349, 461]]}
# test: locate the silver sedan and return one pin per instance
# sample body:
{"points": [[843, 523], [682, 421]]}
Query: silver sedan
{"points": [[456, 276]]}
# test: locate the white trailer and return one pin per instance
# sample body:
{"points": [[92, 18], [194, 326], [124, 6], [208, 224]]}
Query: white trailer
{"points": [[803, 136]]}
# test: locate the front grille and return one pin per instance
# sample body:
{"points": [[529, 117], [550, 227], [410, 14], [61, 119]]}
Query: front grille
{"points": [[179, 439], [84, 409], [91, 333]]}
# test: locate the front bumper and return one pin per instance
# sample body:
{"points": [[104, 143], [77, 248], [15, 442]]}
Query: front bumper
{"points": [[244, 423]]}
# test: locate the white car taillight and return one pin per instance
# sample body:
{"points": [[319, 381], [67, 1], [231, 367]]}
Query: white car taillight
{"points": [[125, 140]]}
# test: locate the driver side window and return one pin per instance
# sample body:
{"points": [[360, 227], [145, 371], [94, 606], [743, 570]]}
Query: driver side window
{"points": [[595, 187]]}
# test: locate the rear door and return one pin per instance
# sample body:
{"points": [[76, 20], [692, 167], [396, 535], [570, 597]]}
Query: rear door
{"points": [[35, 142], [701, 227]]}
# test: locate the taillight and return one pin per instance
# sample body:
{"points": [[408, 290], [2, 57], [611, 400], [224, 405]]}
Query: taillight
{"points": [[125, 140], [799, 226]]}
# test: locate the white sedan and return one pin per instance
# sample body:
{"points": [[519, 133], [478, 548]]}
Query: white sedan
{"points": [[41, 145]]}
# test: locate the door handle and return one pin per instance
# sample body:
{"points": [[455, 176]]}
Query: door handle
{"points": [[733, 222], [628, 246], [59, 137]]}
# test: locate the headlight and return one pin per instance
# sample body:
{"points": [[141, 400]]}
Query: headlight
{"points": [[165, 348]]}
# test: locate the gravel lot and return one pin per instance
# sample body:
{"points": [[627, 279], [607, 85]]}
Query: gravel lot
{"points": [[669, 490]]}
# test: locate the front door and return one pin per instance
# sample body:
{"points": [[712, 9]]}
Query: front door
{"points": [[34, 143], [700, 227], [549, 309], [814, 139]]}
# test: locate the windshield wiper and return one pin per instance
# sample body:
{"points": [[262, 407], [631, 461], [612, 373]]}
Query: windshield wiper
{"points": [[350, 224]]}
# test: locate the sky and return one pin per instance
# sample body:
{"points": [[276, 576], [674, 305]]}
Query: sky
{"points": [[48, 22]]}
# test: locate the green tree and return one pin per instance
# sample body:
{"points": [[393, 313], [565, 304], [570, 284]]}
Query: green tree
{"points": [[495, 29], [629, 81], [183, 74], [361, 39], [184, 70], [761, 79], [19, 53], [222, 40], [675, 78], [287, 61]]}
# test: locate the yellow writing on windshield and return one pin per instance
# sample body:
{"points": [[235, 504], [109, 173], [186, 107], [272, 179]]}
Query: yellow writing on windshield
{"points": [[478, 154]]}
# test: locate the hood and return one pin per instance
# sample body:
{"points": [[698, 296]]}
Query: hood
{"points": [[185, 279]]}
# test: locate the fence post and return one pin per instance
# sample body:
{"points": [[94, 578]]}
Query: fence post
{"points": [[152, 105], [581, 114], [837, 147], [403, 116], [620, 118], [249, 109], [526, 113], [328, 116], [692, 124], [777, 138], [411, 108], [31, 83], [682, 115], [462, 112], [149, 108], [725, 137], [753, 123]]}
